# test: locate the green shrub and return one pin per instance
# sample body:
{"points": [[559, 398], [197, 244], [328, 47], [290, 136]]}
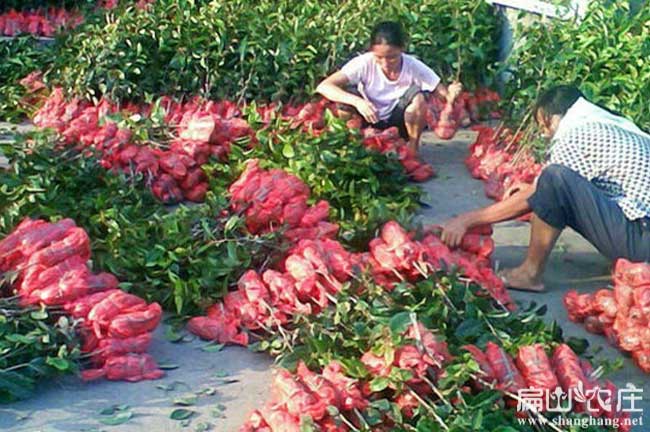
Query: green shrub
{"points": [[18, 57], [261, 50], [35, 4], [606, 55], [364, 188], [185, 259]]}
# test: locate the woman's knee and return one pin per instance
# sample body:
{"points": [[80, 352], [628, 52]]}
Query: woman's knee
{"points": [[417, 106]]}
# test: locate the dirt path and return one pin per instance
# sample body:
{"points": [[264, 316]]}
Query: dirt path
{"points": [[70, 405]]}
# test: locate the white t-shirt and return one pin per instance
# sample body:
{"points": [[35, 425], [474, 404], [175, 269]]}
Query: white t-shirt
{"points": [[383, 93]]}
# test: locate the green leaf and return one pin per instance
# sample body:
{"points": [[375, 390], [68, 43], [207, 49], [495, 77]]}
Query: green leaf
{"points": [[212, 347], [578, 345], [400, 322], [113, 409], [186, 400], [470, 327], [59, 363], [168, 366], [287, 151], [118, 418], [173, 336], [39, 315], [379, 383], [181, 414]]}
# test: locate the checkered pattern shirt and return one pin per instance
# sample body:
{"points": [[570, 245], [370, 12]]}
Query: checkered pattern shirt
{"points": [[613, 158]]}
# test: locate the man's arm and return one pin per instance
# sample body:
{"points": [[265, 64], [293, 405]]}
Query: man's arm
{"points": [[510, 208], [333, 87]]}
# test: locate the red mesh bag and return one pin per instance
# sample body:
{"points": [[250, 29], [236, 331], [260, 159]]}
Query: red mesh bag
{"points": [[579, 306], [72, 285], [631, 274], [12, 241], [279, 419], [218, 330], [117, 303], [31, 237], [534, 365], [296, 395], [507, 374], [480, 245], [80, 307], [319, 385], [604, 302], [40, 276], [75, 242], [135, 323], [348, 388], [111, 347], [483, 362], [49, 233], [129, 367], [569, 373]]}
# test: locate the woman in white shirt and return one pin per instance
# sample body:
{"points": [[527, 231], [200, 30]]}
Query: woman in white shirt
{"points": [[385, 85]]}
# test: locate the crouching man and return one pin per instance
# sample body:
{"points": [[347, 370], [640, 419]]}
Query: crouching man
{"points": [[596, 181]]}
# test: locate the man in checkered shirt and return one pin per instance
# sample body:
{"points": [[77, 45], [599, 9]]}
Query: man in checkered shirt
{"points": [[597, 181]]}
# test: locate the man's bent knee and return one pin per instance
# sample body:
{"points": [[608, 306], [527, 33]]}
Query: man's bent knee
{"points": [[555, 174]]}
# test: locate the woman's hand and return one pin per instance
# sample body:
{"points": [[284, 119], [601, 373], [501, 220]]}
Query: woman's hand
{"points": [[367, 110], [453, 91], [453, 231]]}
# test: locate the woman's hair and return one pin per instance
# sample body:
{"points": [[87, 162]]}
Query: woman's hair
{"points": [[557, 100], [389, 33]]}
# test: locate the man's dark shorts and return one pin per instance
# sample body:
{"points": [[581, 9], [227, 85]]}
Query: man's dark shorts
{"points": [[396, 116], [565, 198]]}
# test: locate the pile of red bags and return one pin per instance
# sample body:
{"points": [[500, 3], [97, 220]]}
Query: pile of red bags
{"points": [[272, 198], [389, 140], [533, 369], [40, 22], [311, 117], [112, 4], [621, 314], [396, 256], [496, 160], [444, 118], [308, 393], [50, 262], [205, 129], [313, 270], [429, 358]]}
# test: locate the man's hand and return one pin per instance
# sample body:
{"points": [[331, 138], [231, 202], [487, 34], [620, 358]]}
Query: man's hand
{"points": [[453, 91], [453, 231], [367, 110]]}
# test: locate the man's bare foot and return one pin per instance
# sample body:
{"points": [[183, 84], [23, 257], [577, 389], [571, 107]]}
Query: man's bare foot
{"points": [[520, 279]]}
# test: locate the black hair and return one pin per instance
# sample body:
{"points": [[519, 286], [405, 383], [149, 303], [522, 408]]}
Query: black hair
{"points": [[389, 33], [557, 100]]}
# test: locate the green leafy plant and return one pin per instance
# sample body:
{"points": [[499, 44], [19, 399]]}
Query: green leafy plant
{"points": [[18, 58], [33, 4], [35, 344], [184, 259], [604, 54], [365, 189], [366, 318], [263, 50]]}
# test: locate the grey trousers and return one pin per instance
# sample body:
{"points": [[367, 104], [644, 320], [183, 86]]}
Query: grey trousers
{"points": [[565, 198]]}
